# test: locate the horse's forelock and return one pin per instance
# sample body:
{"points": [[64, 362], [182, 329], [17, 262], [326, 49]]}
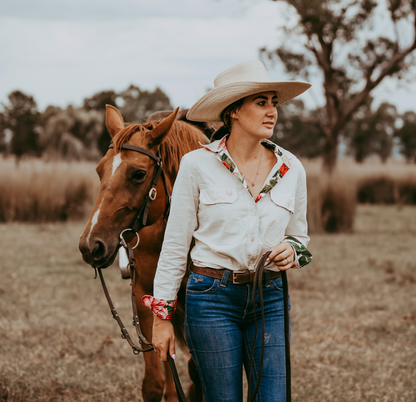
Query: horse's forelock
{"points": [[183, 138]]}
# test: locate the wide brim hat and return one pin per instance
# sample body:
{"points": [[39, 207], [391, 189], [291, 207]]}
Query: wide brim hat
{"points": [[237, 82]]}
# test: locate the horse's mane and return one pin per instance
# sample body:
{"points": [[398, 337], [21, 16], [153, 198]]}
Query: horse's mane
{"points": [[182, 138]]}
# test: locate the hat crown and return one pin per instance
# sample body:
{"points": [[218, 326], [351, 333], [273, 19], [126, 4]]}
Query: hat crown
{"points": [[249, 71]]}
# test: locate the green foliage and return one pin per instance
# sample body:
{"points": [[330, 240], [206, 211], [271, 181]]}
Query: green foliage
{"points": [[338, 38], [133, 103], [3, 133], [71, 133], [21, 117], [372, 132], [99, 100], [294, 132], [407, 136]]}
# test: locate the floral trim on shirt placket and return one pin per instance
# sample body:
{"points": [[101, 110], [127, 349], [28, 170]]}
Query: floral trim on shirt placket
{"points": [[224, 157], [164, 309]]}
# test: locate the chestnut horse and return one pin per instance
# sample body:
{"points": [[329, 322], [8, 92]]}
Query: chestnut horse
{"points": [[125, 181]]}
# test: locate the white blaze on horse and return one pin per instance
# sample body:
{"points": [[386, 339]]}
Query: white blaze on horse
{"points": [[126, 178]]}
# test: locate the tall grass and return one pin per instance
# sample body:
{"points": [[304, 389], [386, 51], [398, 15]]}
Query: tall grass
{"points": [[331, 203], [332, 198], [39, 191], [36, 191]]}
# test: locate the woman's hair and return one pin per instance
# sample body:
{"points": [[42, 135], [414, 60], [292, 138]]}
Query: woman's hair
{"points": [[226, 119]]}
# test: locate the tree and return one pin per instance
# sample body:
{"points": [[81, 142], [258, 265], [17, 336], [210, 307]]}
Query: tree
{"points": [[407, 136], [134, 104], [295, 134], [22, 118], [72, 133], [372, 132], [340, 38], [99, 100], [137, 105], [3, 133]]}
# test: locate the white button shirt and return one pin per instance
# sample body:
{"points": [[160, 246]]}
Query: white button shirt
{"points": [[212, 203]]}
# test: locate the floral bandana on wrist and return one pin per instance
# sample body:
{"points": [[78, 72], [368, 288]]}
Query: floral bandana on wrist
{"points": [[164, 309]]}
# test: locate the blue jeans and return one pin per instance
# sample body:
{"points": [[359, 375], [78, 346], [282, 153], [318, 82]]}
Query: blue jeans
{"points": [[220, 328]]}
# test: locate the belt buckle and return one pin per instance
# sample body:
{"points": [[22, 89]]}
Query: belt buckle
{"points": [[235, 273]]}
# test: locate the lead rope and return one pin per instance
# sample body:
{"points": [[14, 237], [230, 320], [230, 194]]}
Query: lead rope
{"points": [[177, 381], [258, 282], [124, 333]]}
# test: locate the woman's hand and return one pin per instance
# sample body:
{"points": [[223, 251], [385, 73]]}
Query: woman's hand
{"points": [[163, 338], [283, 256]]}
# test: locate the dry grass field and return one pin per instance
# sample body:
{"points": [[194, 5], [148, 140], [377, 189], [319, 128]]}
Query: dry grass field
{"points": [[353, 316], [39, 191]]}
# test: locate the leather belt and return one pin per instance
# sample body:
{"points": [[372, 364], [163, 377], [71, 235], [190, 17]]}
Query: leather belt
{"points": [[236, 277]]}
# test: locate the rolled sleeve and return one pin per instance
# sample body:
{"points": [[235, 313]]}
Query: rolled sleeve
{"points": [[181, 225], [296, 233]]}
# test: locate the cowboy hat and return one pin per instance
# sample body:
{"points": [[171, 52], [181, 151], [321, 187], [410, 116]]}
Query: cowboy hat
{"points": [[238, 82]]}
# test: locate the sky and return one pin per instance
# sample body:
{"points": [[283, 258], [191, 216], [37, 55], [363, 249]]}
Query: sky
{"points": [[62, 51]]}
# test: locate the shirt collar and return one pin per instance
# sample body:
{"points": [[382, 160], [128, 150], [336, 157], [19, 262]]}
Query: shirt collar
{"points": [[219, 147]]}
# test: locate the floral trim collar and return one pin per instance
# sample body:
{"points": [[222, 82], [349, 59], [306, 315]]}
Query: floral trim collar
{"points": [[221, 153]]}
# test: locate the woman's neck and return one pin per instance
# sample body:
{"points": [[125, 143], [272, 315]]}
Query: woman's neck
{"points": [[244, 147]]}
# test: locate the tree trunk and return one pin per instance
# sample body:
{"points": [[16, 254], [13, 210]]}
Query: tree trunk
{"points": [[330, 153]]}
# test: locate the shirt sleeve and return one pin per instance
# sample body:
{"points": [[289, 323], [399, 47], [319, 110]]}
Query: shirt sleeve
{"points": [[180, 228], [296, 233]]}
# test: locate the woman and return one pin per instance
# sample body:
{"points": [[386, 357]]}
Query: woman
{"points": [[237, 197]]}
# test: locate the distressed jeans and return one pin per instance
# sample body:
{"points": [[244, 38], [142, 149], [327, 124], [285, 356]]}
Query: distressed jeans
{"points": [[220, 328]]}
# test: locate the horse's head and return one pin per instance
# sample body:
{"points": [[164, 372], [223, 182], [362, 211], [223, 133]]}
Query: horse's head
{"points": [[126, 178]]}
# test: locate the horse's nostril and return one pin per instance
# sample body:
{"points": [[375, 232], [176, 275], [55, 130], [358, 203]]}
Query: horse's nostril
{"points": [[99, 250]]}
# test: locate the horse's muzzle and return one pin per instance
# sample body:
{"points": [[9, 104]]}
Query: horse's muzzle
{"points": [[96, 253]]}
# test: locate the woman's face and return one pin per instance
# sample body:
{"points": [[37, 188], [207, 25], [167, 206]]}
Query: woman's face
{"points": [[258, 115]]}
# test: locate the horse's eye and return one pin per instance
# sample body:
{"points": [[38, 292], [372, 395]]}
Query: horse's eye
{"points": [[139, 175]]}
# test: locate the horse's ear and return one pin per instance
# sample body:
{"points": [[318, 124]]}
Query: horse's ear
{"points": [[162, 129], [113, 120]]}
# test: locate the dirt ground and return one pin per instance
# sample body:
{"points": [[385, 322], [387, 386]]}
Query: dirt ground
{"points": [[353, 317]]}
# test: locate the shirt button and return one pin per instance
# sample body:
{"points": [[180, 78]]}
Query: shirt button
{"points": [[253, 214], [252, 239]]}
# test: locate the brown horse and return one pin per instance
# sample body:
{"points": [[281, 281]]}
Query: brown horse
{"points": [[125, 181]]}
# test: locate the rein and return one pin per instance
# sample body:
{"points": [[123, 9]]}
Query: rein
{"points": [[258, 282], [139, 223]]}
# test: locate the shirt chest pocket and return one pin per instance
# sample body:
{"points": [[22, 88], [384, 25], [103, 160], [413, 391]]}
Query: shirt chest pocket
{"points": [[218, 195], [284, 200], [281, 208], [218, 214]]}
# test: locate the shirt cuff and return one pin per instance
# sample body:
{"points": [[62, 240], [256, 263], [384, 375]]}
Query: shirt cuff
{"points": [[302, 254], [164, 309]]}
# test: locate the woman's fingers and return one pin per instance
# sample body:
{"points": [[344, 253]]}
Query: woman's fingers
{"points": [[285, 267], [172, 349], [163, 338], [282, 255]]}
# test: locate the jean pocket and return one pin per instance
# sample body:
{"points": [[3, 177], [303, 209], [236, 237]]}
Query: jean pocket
{"points": [[277, 285], [201, 284]]}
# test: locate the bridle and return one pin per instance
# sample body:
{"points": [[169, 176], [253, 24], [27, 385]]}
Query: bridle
{"points": [[139, 223], [141, 220]]}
